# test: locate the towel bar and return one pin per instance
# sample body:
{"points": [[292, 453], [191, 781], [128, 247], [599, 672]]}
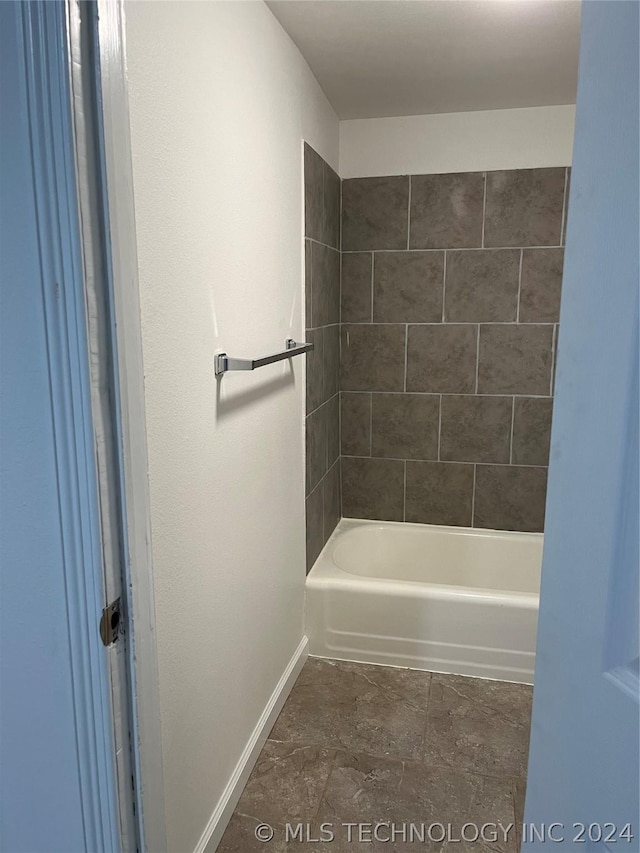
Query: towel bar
{"points": [[224, 362]]}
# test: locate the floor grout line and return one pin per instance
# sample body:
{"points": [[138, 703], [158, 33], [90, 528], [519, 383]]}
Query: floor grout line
{"points": [[477, 358], [409, 217], [519, 285], [406, 354], [484, 203], [444, 285], [373, 261]]}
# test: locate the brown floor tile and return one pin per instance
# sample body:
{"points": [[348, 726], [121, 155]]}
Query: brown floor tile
{"points": [[240, 837], [287, 782], [474, 725], [347, 748], [367, 790], [372, 709]]}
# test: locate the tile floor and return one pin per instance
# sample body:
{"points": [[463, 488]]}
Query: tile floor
{"points": [[367, 744]]}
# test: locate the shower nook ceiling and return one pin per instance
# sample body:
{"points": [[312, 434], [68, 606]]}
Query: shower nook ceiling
{"points": [[386, 58]]}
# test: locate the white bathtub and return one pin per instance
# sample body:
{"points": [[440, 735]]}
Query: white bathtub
{"points": [[445, 599]]}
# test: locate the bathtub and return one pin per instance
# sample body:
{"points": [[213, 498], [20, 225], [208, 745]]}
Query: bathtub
{"points": [[444, 599]]}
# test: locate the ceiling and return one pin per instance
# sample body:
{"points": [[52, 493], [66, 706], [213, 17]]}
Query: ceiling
{"points": [[377, 58]]}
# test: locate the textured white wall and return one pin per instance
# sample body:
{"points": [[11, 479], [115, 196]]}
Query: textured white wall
{"points": [[457, 142], [220, 101]]}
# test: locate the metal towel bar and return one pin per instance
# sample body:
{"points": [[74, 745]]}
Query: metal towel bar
{"points": [[224, 362]]}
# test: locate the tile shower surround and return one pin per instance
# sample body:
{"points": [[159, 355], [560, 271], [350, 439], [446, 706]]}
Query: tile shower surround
{"points": [[449, 322], [322, 311], [446, 329]]}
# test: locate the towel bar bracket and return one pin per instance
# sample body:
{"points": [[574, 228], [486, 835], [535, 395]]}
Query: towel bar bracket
{"points": [[223, 362]]}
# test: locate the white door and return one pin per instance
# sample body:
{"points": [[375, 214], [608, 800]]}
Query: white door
{"points": [[584, 756]]}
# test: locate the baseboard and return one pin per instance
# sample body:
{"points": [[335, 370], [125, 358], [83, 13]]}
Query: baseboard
{"points": [[218, 821]]}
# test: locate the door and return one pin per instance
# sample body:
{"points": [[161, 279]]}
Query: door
{"points": [[583, 765], [57, 777]]}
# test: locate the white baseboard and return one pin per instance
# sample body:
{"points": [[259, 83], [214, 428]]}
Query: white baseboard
{"points": [[218, 821]]}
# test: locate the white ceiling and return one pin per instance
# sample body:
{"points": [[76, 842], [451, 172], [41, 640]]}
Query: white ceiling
{"points": [[377, 58]]}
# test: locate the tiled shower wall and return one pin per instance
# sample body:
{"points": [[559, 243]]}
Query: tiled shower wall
{"points": [[322, 311], [450, 300]]}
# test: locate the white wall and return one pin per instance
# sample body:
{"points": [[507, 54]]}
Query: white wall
{"points": [[457, 142], [220, 101]]}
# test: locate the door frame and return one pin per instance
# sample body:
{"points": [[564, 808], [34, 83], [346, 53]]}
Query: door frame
{"points": [[126, 339]]}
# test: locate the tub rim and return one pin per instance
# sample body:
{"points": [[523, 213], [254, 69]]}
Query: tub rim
{"points": [[325, 572]]}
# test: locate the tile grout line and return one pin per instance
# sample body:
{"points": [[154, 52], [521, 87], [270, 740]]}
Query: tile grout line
{"points": [[445, 461], [554, 345], [323, 524], [406, 354], [324, 245], [473, 496], [340, 359], [370, 425], [409, 217], [312, 318], [373, 255], [439, 426], [477, 357], [324, 403], [563, 236], [519, 285], [484, 203], [332, 765], [444, 283], [513, 416], [440, 249], [439, 323], [404, 493], [446, 394]]}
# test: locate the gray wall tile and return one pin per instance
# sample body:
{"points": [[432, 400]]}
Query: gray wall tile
{"points": [[331, 499], [531, 430], [475, 428], [372, 488], [356, 287], [407, 287], [315, 529], [524, 207], [509, 497], [316, 447], [308, 308], [484, 337], [439, 493], [355, 424], [331, 208], [541, 285], [315, 369], [405, 426], [446, 210], [372, 357], [333, 429], [322, 311], [313, 193], [482, 286], [325, 285], [331, 360], [375, 213], [442, 358], [515, 359]]}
